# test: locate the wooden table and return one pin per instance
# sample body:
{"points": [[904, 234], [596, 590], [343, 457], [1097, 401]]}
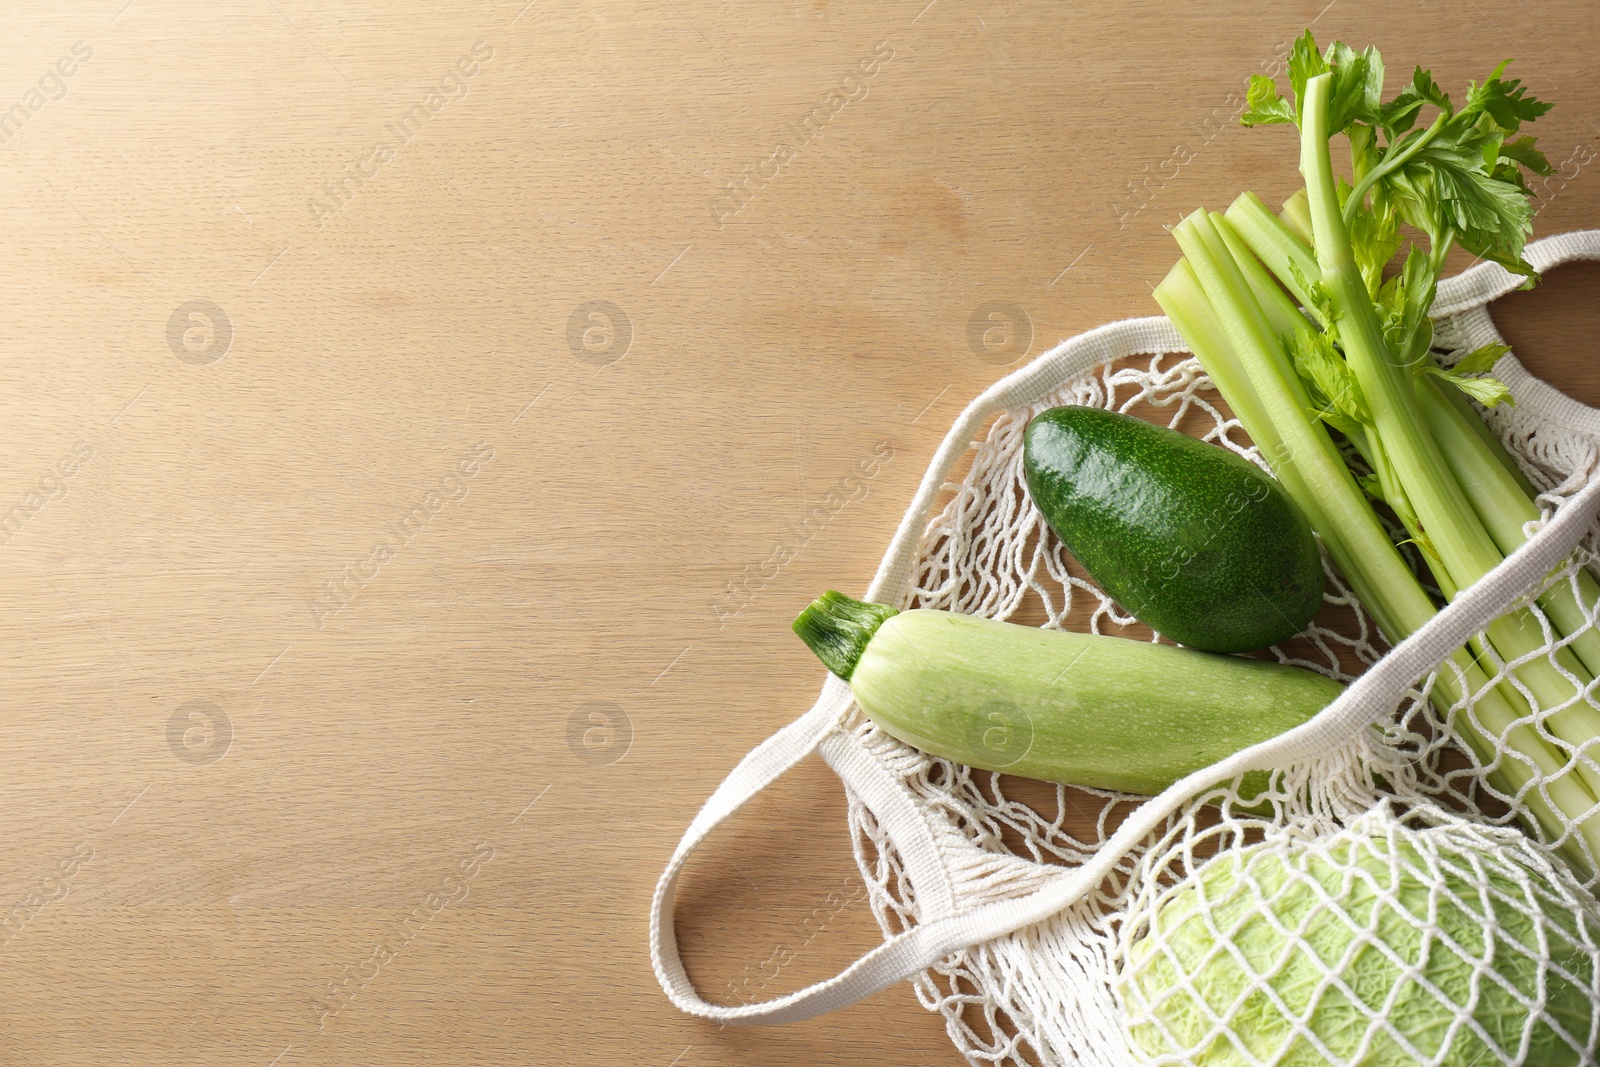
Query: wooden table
{"points": [[397, 403]]}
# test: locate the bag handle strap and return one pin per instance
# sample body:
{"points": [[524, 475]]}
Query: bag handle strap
{"points": [[888, 799], [762, 766]]}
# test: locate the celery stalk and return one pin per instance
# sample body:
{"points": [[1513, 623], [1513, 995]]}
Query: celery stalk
{"points": [[1504, 505], [1380, 578], [1296, 214], [1280, 248], [1456, 178], [1445, 515], [1498, 491], [1491, 442], [1282, 316], [1352, 533]]}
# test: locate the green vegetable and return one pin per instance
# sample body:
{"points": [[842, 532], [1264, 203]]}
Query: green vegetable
{"points": [[1359, 362], [1360, 906], [1104, 712], [1196, 542]]}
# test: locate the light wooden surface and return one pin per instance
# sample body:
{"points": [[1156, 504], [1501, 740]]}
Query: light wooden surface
{"points": [[254, 721]]}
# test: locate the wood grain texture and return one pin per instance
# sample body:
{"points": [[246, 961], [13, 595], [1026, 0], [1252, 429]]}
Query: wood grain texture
{"points": [[315, 587]]}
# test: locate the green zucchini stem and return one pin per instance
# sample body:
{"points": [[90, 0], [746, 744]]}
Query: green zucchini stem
{"points": [[837, 628]]}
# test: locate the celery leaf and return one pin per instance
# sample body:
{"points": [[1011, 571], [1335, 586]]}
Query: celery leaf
{"points": [[1265, 106], [1446, 190], [1305, 63], [1330, 383], [1400, 114], [1481, 360], [1505, 101], [1522, 151], [1374, 238], [1490, 392]]}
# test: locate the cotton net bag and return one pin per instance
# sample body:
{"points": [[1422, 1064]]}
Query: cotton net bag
{"points": [[1383, 902]]}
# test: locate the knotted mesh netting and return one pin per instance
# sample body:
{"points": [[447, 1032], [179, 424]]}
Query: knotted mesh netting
{"points": [[1399, 899]]}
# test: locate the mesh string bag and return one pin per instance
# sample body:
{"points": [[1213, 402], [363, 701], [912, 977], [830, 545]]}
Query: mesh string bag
{"points": [[1395, 896]]}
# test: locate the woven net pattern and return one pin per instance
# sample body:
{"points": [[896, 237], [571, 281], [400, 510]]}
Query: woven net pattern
{"points": [[1249, 960]]}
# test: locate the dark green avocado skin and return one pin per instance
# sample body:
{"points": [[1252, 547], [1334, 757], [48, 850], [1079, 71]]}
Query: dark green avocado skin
{"points": [[1196, 542]]}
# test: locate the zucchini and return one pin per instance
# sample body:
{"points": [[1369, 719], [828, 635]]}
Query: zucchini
{"points": [[1197, 543], [1087, 710]]}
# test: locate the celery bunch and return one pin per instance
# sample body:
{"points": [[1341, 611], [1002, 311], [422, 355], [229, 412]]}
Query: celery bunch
{"points": [[1358, 360]]}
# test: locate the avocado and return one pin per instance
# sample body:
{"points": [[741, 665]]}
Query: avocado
{"points": [[1194, 541]]}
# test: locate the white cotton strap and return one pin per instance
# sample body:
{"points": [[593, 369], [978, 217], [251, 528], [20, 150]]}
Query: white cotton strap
{"points": [[899, 818], [764, 765]]}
